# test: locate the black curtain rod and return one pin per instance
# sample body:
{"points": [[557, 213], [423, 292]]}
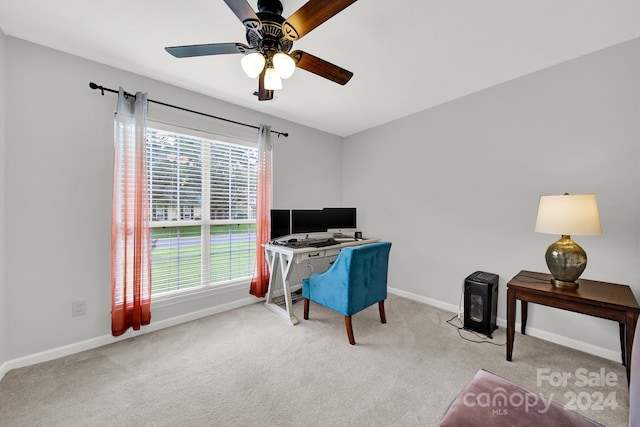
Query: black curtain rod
{"points": [[102, 89]]}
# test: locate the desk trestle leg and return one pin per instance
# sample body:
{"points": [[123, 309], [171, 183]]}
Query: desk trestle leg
{"points": [[280, 263]]}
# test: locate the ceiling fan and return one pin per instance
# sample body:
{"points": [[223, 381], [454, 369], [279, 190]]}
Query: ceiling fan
{"points": [[270, 38]]}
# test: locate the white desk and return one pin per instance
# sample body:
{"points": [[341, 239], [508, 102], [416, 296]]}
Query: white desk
{"points": [[280, 259]]}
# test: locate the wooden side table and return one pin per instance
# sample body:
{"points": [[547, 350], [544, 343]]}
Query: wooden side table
{"points": [[600, 299]]}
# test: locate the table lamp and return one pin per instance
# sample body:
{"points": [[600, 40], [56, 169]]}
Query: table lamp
{"points": [[567, 214]]}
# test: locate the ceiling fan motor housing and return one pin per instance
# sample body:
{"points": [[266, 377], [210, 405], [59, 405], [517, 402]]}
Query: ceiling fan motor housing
{"points": [[270, 38]]}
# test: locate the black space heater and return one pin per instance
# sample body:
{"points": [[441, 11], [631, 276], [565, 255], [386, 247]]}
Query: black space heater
{"points": [[481, 302]]}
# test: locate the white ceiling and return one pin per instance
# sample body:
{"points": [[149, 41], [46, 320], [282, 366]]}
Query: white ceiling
{"points": [[406, 56]]}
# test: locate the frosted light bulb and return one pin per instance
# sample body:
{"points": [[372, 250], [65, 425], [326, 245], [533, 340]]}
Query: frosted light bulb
{"points": [[284, 65], [253, 64], [272, 80]]}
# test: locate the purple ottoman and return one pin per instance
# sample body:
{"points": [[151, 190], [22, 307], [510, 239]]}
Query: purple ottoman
{"points": [[490, 400]]}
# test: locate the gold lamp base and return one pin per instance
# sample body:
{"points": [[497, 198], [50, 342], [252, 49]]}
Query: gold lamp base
{"points": [[566, 261], [561, 284]]}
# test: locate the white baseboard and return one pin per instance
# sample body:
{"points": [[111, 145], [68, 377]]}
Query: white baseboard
{"points": [[92, 343], [419, 298], [534, 332]]}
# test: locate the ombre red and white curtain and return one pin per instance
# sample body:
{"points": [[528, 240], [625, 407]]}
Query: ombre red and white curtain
{"points": [[260, 282], [130, 238]]}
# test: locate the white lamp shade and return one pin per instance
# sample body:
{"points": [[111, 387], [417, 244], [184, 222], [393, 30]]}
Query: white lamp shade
{"points": [[284, 65], [568, 214], [272, 80], [253, 64]]}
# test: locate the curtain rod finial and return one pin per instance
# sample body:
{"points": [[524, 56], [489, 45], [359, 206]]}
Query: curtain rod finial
{"points": [[94, 86]]}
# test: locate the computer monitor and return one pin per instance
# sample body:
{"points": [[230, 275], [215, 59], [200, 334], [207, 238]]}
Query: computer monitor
{"points": [[280, 223], [340, 218], [320, 221], [307, 221]]}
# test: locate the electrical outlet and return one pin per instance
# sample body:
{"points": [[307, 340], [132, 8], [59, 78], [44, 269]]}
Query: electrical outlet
{"points": [[78, 308]]}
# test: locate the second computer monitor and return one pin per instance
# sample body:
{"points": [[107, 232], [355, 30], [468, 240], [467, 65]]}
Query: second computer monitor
{"points": [[307, 221]]}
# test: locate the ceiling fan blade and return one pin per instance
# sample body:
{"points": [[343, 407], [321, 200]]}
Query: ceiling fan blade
{"points": [[263, 93], [245, 14], [310, 15], [318, 66], [207, 49]]}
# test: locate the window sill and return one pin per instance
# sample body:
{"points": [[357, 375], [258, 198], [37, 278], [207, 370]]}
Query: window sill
{"points": [[178, 297]]}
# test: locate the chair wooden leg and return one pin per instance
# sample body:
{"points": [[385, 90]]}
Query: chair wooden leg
{"points": [[347, 323], [383, 317], [306, 309]]}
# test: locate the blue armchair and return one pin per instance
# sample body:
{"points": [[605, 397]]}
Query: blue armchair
{"points": [[356, 280]]}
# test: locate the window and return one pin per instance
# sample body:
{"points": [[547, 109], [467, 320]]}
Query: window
{"points": [[159, 214], [203, 210]]}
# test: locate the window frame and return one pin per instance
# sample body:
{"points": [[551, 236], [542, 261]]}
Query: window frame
{"points": [[206, 288]]}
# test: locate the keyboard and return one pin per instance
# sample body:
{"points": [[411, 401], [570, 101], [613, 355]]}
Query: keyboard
{"points": [[323, 243], [307, 243]]}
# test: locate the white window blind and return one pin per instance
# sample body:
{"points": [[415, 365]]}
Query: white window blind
{"points": [[202, 197]]}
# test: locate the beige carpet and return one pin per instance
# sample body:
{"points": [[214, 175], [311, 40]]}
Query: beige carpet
{"points": [[247, 368]]}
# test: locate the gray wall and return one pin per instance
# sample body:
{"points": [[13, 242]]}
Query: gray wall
{"points": [[456, 187], [3, 299], [59, 139]]}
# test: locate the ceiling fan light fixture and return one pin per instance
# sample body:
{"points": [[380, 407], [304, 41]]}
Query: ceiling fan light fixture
{"points": [[284, 65], [272, 79], [252, 64], [268, 53]]}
